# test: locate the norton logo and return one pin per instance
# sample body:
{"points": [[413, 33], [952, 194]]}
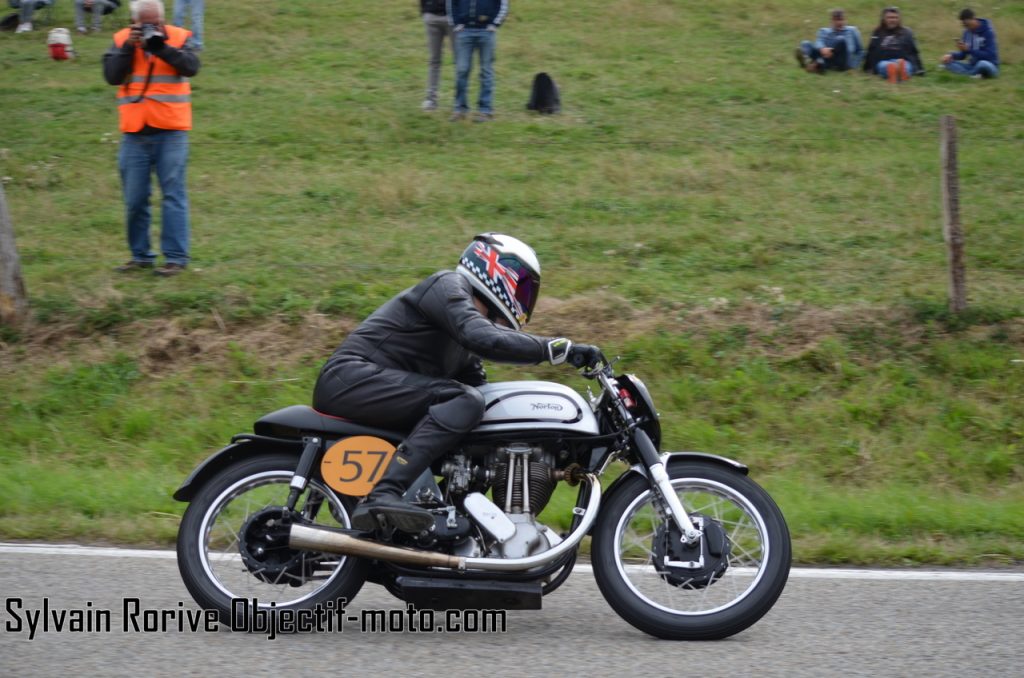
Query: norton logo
{"points": [[547, 406]]}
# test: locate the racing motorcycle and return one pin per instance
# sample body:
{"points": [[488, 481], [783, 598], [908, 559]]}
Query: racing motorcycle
{"points": [[684, 545]]}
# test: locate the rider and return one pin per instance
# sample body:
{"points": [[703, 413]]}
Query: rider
{"points": [[414, 363]]}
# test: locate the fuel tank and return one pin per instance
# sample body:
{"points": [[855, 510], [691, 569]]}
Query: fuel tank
{"points": [[533, 405]]}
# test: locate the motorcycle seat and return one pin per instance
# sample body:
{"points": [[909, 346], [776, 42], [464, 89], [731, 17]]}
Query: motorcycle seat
{"points": [[299, 420]]}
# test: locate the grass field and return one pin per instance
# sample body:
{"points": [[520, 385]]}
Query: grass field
{"points": [[764, 247]]}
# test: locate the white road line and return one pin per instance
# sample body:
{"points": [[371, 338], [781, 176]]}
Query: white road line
{"points": [[75, 550], [795, 573]]}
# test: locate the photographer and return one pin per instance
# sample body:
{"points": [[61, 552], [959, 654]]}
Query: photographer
{"points": [[151, 63]]}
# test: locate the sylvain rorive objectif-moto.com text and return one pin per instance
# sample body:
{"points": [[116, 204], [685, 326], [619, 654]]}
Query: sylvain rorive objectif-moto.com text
{"points": [[41, 616]]}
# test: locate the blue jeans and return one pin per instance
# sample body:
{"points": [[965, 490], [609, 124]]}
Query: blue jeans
{"points": [[197, 6], [99, 9], [466, 41], [27, 7], [881, 68], [985, 69], [140, 154]]}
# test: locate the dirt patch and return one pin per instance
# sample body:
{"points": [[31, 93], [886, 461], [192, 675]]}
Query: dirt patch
{"points": [[162, 345], [604, 318], [601, 318]]}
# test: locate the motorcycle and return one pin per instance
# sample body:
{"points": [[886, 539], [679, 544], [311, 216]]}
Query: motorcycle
{"points": [[684, 545]]}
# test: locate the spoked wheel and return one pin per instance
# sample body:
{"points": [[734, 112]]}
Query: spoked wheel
{"points": [[233, 541], [706, 591]]}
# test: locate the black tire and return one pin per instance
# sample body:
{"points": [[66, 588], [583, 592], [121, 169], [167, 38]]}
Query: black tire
{"points": [[198, 569], [635, 591]]}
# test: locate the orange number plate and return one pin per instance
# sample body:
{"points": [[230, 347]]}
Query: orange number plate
{"points": [[354, 465]]}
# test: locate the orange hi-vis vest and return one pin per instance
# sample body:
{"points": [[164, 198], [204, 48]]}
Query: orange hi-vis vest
{"points": [[167, 100]]}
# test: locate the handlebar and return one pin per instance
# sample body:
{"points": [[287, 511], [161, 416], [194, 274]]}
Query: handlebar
{"points": [[591, 369]]}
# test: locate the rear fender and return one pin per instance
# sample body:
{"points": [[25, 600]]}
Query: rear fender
{"points": [[218, 460], [671, 458]]}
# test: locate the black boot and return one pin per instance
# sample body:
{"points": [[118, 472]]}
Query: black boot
{"points": [[384, 505]]}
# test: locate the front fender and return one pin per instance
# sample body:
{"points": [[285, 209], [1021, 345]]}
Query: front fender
{"points": [[218, 460], [670, 458]]}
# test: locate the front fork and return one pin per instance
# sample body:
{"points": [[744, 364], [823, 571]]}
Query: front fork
{"points": [[658, 477]]}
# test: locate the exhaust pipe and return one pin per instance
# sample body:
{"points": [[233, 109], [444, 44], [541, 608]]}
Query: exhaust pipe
{"points": [[319, 539], [329, 541]]}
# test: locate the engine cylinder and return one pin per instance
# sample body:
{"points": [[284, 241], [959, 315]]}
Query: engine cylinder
{"points": [[540, 481]]}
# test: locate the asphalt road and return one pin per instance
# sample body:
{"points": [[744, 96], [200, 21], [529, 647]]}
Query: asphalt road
{"points": [[823, 625]]}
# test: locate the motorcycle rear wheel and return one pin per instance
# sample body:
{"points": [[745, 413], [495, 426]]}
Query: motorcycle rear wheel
{"points": [[210, 554], [665, 605]]}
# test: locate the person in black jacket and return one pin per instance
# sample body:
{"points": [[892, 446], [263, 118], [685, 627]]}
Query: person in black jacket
{"points": [[435, 20], [414, 363], [892, 52]]}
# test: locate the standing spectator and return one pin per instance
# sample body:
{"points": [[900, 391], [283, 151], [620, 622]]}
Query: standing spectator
{"points": [[98, 8], [197, 7], [436, 22], [837, 48], [475, 25], [978, 44], [152, 63], [892, 52], [26, 8]]}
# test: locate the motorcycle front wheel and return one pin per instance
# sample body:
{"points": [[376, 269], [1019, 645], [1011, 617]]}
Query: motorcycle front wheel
{"points": [[669, 595], [232, 545]]}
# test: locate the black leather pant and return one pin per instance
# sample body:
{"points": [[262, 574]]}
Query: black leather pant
{"points": [[438, 412]]}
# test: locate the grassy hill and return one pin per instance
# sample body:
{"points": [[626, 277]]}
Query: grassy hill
{"points": [[763, 246]]}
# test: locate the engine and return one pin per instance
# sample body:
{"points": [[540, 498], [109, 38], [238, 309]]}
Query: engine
{"points": [[522, 479]]}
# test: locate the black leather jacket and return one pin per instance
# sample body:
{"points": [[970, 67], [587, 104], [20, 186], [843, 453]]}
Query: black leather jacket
{"points": [[435, 329], [898, 44], [432, 6]]}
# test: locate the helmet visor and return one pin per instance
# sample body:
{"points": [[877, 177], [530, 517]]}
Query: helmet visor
{"points": [[525, 287], [504, 279]]}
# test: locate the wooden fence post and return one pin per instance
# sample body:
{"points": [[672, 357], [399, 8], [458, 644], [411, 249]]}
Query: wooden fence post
{"points": [[951, 228], [13, 300]]}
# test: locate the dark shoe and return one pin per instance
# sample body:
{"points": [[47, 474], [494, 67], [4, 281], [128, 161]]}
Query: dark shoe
{"points": [[385, 508], [168, 270], [457, 116], [133, 265], [483, 117], [386, 511], [801, 58]]}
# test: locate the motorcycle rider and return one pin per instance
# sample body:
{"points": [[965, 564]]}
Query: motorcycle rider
{"points": [[414, 363]]}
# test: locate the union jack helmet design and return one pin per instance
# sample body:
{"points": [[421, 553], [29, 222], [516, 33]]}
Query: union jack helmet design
{"points": [[505, 272]]}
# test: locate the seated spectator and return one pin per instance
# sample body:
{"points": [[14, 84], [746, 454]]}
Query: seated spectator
{"points": [[98, 8], [25, 10], [892, 52], [837, 48], [978, 45]]}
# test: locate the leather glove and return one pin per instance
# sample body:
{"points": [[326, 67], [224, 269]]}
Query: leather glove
{"points": [[584, 355]]}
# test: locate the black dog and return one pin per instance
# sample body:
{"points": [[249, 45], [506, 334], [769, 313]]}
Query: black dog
{"points": [[544, 95]]}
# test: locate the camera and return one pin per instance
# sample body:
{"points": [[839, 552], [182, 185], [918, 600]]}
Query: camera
{"points": [[152, 36]]}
